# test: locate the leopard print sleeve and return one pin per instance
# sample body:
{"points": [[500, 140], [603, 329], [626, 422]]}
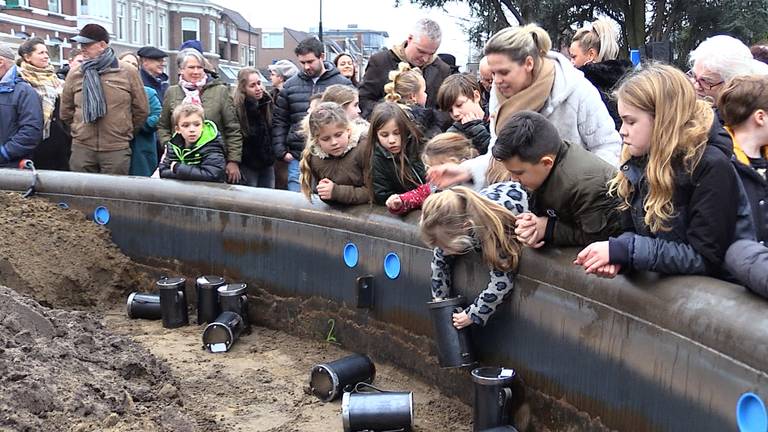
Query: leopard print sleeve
{"points": [[498, 290], [441, 274]]}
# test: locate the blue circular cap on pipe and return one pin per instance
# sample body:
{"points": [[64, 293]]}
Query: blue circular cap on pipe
{"points": [[63, 205], [101, 215], [351, 255], [750, 413], [392, 265]]}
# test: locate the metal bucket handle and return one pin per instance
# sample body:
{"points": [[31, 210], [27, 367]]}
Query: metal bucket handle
{"points": [[358, 388]]}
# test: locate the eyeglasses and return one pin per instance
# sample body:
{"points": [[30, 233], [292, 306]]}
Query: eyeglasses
{"points": [[703, 83]]}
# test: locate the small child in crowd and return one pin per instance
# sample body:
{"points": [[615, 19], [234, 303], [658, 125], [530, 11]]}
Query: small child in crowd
{"points": [[333, 157], [196, 150], [407, 86], [459, 95], [680, 195], [459, 220], [394, 153], [349, 99]]}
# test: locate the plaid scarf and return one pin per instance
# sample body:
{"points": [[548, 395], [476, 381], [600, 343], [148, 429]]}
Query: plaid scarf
{"points": [[192, 90], [94, 105], [47, 85]]}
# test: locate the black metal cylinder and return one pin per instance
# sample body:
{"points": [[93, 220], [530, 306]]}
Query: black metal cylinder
{"points": [[385, 411], [173, 302], [233, 298], [493, 394], [221, 334], [454, 346], [144, 305], [328, 381], [208, 307]]}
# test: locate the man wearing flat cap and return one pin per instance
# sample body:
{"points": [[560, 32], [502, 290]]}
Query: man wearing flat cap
{"points": [[98, 101], [152, 69], [21, 113]]}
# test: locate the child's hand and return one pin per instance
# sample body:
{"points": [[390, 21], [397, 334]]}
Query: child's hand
{"points": [[608, 271], [394, 202], [446, 175], [471, 116], [530, 229], [325, 188], [461, 320], [594, 257]]}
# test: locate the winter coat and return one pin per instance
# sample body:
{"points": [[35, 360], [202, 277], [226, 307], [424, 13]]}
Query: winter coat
{"points": [[377, 75], [291, 107], [219, 108], [258, 152], [53, 152], [21, 120], [144, 144], [747, 262], [427, 119], [159, 84], [127, 109], [604, 76], [346, 171], [202, 162], [711, 212], [385, 169], [756, 188], [575, 198], [477, 131]]}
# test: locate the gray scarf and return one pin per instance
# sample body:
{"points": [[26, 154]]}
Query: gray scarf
{"points": [[94, 105]]}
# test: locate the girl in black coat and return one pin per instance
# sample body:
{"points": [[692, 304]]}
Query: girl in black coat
{"points": [[254, 110]]}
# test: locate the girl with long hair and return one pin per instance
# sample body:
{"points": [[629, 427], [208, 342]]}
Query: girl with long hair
{"points": [[254, 111], [334, 160], [682, 201], [459, 220]]}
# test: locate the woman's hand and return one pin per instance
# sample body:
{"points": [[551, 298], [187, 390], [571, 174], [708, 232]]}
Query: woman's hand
{"points": [[233, 172], [394, 202], [447, 175], [325, 188], [461, 320], [593, 257]]}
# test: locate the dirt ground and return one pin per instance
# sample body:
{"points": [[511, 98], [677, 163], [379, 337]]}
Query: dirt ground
{"points": [[70, 359]]}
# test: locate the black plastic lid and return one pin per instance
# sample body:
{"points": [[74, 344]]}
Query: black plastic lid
{"points": [[233, 289], [171, 283]]}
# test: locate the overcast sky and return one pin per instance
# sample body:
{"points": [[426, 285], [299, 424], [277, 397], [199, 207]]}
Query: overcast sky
{"points": [[367, 14]]}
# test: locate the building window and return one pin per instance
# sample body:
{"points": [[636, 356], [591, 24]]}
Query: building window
{"points": [[135, 24], [162, 24], [272, 40], [212, 34], [54, 54], [233, 32], [120, 21], [95, 8], [54, 6], [251, 56], [222, 30], [150, 27], [243, 55], [190, 29]]}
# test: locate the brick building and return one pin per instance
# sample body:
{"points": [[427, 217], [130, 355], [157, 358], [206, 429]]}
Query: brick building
{"points": [[55, 21]]}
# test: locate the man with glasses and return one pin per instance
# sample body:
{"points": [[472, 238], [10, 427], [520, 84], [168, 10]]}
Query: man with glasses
{"points": [[152, 69], [419, 51]]}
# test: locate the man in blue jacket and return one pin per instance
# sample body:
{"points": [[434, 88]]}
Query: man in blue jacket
{"points": [[21, 113]]}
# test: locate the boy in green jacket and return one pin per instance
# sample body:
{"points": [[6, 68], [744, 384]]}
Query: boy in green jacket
{"points": [[196, 151]]}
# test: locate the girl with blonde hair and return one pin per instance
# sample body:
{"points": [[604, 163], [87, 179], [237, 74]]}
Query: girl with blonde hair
{"points": [[349, 99], [407, 87], [459, 220], [681, 197], [333, 162]]}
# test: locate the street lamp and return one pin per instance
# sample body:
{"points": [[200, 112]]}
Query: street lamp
{"points": [[320, 27]]}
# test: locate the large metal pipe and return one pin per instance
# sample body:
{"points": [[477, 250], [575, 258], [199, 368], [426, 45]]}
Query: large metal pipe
{"points": [[643, 353]]}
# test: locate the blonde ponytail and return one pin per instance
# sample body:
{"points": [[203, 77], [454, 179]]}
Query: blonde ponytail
{"points": [[403, 84]]}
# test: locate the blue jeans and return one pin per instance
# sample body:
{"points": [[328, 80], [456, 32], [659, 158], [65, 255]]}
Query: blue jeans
{"points": [[293, 176]]}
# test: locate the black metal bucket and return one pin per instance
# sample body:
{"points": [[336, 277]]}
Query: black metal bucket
{"points": [[144, 305], [220, 335], [454, 346], [233, 298], [173, 302], [328, 381], [208, 298], [493, 397], [377, 412]]}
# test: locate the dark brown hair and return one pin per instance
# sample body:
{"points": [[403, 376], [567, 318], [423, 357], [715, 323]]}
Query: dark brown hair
{"points": [[742, 96], [454, 86]]}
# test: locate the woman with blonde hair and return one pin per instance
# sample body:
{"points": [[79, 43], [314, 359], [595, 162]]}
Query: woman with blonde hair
{"points": [[459, 220], [682, 200], [594, 50]]}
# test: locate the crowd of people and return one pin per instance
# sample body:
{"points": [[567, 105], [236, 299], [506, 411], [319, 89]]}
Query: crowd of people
{"points": [[645, 167]]}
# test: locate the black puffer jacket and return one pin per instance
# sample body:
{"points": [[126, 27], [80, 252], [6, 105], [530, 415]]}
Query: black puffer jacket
{"points": [[258, 152], [204, 161], [477, 131], [426, 119], [291, 107], [385, 169], [711, 212], [757, 191], [604, 76]]}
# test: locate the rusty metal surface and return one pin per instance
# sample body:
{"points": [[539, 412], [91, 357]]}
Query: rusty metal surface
{"points": [[642, 353]]}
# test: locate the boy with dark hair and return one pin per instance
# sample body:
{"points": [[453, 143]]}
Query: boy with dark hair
{"points": [[568, 197], [196, 150], [459, 95]]}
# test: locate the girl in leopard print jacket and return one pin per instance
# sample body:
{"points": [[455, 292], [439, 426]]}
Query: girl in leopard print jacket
{"points": [[459, 220]]}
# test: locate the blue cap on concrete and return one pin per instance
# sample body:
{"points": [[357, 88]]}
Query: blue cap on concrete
{"points": [[750, 413], [392, 265], [101, 215], [351, 255]]}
